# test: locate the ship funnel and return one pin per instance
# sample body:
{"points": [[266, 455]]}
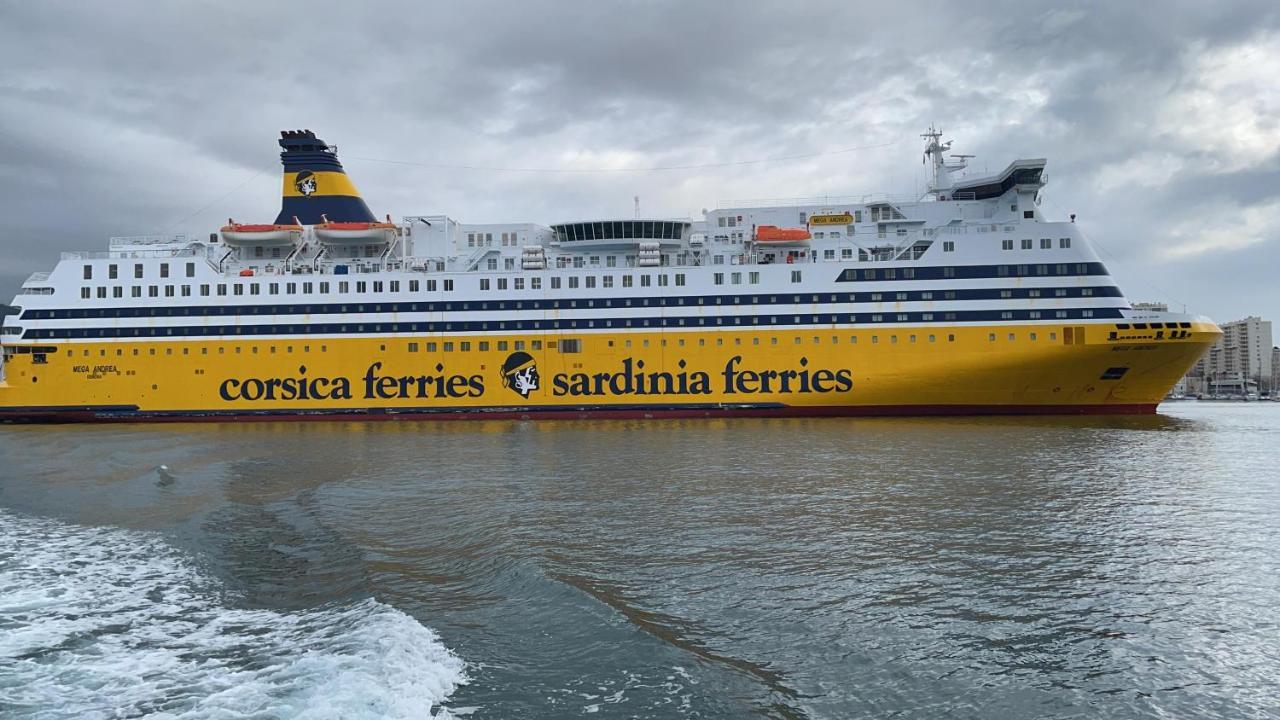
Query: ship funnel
{"points": [[315, 184]]}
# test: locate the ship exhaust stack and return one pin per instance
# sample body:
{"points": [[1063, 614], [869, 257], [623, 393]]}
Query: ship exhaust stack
{"points": [[315, 185]]}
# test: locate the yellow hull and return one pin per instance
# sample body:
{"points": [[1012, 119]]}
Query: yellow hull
{"points": [[1028, 368]]}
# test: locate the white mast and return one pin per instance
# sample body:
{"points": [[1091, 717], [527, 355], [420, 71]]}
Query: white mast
{"points": [[936, 151]]}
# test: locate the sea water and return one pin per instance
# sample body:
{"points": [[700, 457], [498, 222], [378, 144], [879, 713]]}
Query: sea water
{"points": [[817, 568]]}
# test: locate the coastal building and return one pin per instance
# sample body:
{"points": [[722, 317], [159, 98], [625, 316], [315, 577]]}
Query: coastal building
{"points": [[1240, 363], [1275, 371]]}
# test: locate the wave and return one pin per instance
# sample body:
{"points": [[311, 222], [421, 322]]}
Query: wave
{"points": [[104, 623]]}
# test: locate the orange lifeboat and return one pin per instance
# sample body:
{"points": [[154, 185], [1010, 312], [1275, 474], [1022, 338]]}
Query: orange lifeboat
{"points": [[340, 233], [234, 233], [775, 234]]}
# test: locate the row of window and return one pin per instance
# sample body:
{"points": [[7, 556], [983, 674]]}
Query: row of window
{"points": [[1029, 244], [569, 304], [508, 239], [566, 324], [363, 286], [620, 230], [113, 271], [566, 345], [564, 262], [971, 272], [274, 288], [1154, 325], [586, 281]]}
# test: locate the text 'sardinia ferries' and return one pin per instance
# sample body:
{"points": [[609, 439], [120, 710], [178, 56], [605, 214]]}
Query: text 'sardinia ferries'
{"points": [[967, 300]]}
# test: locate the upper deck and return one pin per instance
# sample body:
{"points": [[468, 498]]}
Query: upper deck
{"points": [[936, 258]]}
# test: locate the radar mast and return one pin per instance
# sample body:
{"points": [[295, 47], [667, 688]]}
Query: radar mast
{"points": [[935, 150]]}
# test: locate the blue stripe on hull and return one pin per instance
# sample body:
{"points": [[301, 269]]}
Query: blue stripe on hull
{"points": [[508, 326], [337, 208]]}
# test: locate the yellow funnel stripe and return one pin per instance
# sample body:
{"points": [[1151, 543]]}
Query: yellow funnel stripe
{"points": [[327, 183]]}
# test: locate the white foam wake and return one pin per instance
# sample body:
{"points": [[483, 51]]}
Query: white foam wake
{"points": [[104, 623]]}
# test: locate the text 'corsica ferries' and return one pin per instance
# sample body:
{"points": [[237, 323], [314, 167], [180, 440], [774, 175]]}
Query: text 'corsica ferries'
{"points": [[966, 300]]}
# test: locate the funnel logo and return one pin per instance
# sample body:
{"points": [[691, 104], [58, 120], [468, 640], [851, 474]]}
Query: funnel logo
{"points": [[520, 373], [305, 183]]}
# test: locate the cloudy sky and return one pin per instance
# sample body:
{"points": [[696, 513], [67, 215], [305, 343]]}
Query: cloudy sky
{"points": [[1161, 121]]}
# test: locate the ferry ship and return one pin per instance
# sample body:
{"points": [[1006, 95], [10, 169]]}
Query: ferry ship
{"points": [[966, 300]]}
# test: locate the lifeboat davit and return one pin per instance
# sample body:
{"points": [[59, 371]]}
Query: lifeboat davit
{"points": [[349, 233], [775, 234], [234, 233]]}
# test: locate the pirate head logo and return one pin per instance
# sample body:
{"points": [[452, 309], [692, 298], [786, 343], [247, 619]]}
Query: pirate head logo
{"points": [[305, 183], [520, 373]]}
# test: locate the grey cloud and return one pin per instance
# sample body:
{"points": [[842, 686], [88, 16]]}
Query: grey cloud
{"points": [[126, 117]]}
